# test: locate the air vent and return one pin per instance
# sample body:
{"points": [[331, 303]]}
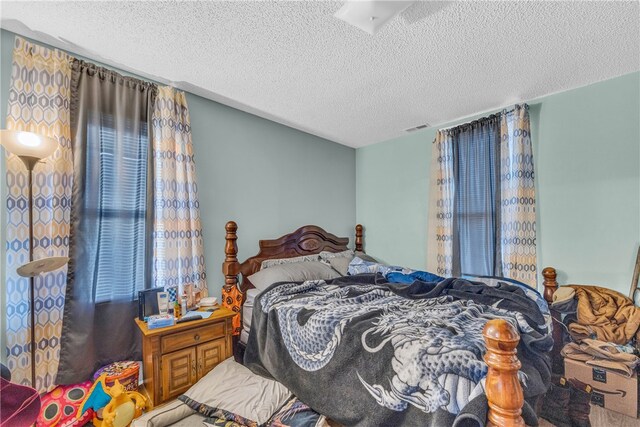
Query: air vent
{"points": [[422, 126]]}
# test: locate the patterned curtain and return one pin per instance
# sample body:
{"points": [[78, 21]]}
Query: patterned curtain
{"points": [[518, 197], [177, 236], [441, 205], [38, 102], [515, 229]]}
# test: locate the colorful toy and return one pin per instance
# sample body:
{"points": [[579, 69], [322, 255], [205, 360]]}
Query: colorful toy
{"points": [[60, 405], [96, 399], [123, 408], [114, 406], [126, 372]]}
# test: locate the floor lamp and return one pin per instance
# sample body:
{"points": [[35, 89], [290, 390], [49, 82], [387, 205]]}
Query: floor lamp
{"points": [[31, 148]]}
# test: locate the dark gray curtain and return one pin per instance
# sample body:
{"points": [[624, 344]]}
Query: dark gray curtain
{"points": [[110, 222], [476, 225]]}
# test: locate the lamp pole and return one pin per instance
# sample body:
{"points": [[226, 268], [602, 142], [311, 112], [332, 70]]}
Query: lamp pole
{"points": [[30, 163], [30, 149]]}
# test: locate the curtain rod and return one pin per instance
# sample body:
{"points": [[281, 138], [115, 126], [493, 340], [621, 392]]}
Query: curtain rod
{"points": [[504, 111]]}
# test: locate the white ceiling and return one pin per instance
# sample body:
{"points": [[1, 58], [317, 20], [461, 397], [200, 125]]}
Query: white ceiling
{"points": [[294, 63]]}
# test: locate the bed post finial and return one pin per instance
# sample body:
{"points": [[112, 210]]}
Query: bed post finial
{"points": [[550, 283], [359, 234], [503, 389], [230, 266], [550, 286]]}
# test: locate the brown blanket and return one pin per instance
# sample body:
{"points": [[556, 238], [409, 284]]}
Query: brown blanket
{"points": [[602, 354], [608, 314]]}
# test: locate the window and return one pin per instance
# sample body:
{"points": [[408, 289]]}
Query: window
{"points": [[116, 206], [477, 198], [482, 218]]}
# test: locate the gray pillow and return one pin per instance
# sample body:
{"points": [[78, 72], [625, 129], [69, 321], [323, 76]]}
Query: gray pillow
{"points": [[366, 257], [278, 261], [341, 264], [233, 388], [292, 272], [164, 415]]}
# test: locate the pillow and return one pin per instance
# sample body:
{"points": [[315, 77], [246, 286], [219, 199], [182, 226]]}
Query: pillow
{"points": [[233, 392], [359, 266], [340, 264], [365, 257], [20, 404], [327, 255], [164, 415], [292, 272], [305, 258], [61, 404], [340, 261]]}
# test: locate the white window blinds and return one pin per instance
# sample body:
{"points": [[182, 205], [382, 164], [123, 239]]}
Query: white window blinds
{"points": [[116, 206]]}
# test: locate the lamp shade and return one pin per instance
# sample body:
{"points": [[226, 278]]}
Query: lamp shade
{"points": [[42, 265], [27, 144]]}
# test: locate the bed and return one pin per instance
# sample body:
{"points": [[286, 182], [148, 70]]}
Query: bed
{"points": [[367, 390]]}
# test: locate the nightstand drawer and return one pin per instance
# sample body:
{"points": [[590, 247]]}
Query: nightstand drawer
{"points": [[192, 337]]}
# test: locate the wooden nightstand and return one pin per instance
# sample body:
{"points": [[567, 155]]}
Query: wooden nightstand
{"points": [[175, 357]]}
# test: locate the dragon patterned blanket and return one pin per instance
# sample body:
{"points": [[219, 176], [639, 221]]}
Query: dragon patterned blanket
{"points": [[365, 352]]}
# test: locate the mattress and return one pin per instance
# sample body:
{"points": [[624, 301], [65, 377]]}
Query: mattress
{"points": [[247, 314]]}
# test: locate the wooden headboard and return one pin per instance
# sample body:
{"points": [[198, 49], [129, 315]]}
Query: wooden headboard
{"points": [[307, 240]]}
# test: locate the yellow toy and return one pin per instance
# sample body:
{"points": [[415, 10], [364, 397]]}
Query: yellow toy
{"points": [[123, 408]]}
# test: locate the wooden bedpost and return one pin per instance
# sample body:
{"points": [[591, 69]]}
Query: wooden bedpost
{"points": [[550, 283], [359, 234], [503, 389], [550, 286], [230, 266]]}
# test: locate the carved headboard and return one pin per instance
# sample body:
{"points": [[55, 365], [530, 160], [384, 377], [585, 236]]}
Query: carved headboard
{"points": [[306, 240]]}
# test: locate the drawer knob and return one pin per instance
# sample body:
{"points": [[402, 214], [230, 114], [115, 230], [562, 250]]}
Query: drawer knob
{"points": [[196, 337]]}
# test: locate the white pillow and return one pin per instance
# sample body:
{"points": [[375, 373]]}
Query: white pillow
{"points": [[232, 388], [327, 255], [292, 272]]}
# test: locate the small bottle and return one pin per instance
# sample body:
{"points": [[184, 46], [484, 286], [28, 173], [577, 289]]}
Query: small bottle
{"points": [[183, 304], [176, 310]]}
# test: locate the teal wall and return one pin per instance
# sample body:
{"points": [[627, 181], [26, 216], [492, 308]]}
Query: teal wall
{"points": [[587, 154], [267, 177]]}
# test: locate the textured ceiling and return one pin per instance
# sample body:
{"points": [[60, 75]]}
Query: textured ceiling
{"points": [[294, 63]]}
